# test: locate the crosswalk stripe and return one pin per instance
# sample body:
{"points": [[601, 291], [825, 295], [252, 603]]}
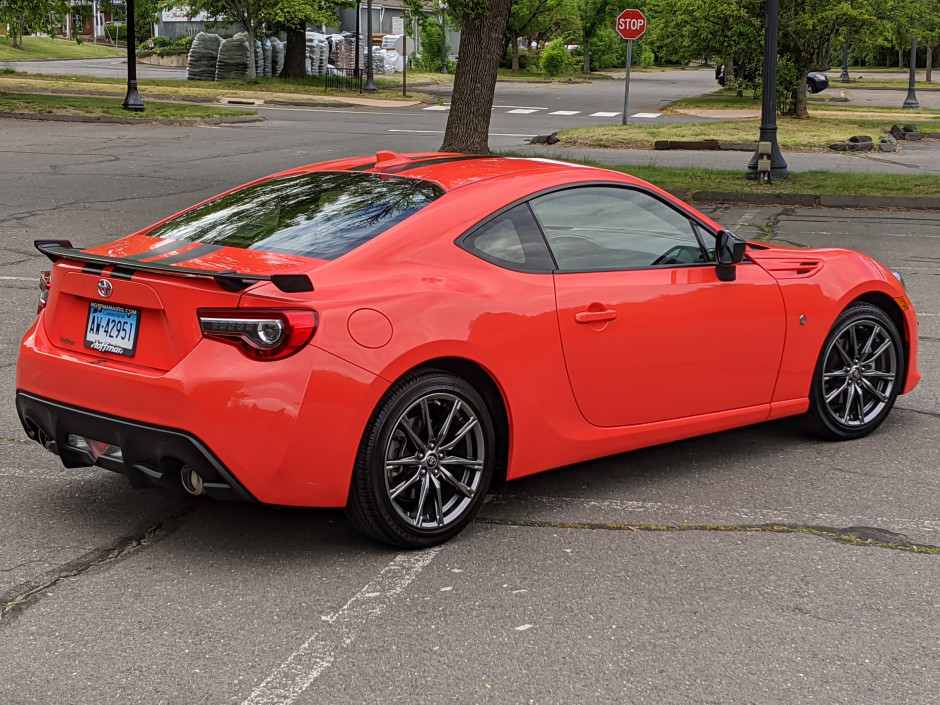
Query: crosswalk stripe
{"points": [[565, 112], [646, 115], [604, 114], [436, 107], [522, 111]]}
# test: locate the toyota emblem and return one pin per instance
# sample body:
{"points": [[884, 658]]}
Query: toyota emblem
{"points": [[104, 288]]}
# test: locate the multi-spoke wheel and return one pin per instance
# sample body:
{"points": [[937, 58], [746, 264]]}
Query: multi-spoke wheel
{"points": [[425, 462], [858, 376]]}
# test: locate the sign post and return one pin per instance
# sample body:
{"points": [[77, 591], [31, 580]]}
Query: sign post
{"points": [[630, 25], [404, 45]]}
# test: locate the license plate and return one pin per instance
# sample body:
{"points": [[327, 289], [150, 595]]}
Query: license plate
{"points": [[112, 329]]}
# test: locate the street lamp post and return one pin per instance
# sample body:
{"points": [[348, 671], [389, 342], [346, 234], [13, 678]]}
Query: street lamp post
{"points": [[911, 102], [443, 6], [370, 79], [768, 113], [132, 100], [844, 78]]}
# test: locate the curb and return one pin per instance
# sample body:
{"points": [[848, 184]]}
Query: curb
{"points": [[107, 119], [810, 200]]}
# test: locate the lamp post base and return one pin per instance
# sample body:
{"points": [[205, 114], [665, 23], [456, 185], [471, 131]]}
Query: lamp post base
{"points": [[133, 101], [911, 102]]}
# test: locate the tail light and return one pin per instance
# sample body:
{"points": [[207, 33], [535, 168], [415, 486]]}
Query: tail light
{"points": [[261, 334], [45, 281]]}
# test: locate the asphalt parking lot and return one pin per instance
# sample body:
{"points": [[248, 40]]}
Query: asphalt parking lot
{"points": [[564, 591]]}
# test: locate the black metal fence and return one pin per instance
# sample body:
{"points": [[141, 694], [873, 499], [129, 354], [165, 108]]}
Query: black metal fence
{"points": [[343, 79]]}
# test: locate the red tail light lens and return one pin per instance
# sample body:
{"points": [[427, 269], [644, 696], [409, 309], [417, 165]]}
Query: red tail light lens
{"points": [[261, 334], [45, 281]]}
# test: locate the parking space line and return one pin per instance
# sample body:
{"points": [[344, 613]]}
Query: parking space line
{"points": [[303, 666]]}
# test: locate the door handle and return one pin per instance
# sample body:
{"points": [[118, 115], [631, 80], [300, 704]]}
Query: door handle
{"points": [[595, 316]]}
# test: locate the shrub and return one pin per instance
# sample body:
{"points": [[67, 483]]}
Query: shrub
{"points": [[647, 57], [555, 58]]}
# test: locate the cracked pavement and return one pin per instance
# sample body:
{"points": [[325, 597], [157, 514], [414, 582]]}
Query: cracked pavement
{"points": [[651, 577]]}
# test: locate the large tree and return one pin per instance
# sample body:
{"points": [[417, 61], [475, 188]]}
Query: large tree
{"points": [[31, 16], [483, 26], [292, 16]]}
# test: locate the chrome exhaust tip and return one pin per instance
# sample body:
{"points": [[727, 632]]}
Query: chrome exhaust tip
{"points": [[192, 481]]}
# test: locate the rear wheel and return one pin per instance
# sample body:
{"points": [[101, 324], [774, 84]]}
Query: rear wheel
{"points": [[858, 375], [425, 462]]}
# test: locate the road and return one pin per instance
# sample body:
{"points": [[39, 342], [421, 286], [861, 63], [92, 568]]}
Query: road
{"points": [[549, 597]]}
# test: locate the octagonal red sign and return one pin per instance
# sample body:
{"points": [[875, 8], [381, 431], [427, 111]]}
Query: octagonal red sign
{"points": [[631, 24]]}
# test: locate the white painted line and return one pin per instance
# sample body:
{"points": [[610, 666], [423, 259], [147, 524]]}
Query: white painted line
{"points": [[441, 132], [646, 115], [604, 114], [522, 107], [565, 112], [522, 111], [436, 107], [20, 279], [303, 667]]}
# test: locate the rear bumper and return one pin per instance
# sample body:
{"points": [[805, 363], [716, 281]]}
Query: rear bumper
{"points": [[148, 454]]}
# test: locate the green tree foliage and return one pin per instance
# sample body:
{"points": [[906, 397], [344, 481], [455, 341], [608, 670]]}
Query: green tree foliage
{"points": [[555, 59], [31, 16], [595, 15], [540, 19]]}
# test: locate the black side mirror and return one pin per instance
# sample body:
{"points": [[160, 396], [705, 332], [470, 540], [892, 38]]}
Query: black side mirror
{"points": [[730, 251]]}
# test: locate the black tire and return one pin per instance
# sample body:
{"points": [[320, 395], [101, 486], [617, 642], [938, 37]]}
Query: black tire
{"points": [[425, 462], [858, 376]]}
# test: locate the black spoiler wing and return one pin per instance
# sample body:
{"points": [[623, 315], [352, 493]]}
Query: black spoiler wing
{"points": [[229, 280]]}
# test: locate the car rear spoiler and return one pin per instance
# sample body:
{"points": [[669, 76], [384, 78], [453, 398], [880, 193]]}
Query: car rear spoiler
{"points": [[229, 279]]}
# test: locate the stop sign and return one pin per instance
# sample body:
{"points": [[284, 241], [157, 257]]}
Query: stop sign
{"points": [[631, 24]]}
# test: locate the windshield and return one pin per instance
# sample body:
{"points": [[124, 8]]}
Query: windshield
{"points": [[322, 215]]}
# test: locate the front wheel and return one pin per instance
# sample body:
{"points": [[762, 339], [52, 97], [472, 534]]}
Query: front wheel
{"points": [[858, 375], [425, 462]]}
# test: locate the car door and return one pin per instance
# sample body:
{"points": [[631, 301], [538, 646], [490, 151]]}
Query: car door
{"points": [[649, 331]]}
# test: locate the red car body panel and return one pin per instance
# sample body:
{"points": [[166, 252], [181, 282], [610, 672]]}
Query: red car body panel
{"points": [[700, 355]]}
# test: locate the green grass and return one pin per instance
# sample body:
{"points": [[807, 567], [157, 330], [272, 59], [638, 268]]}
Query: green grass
{"points": [[721, 100], [80, 105], [809, 182], [389, 86], [46, 48], [812, 134], [532, 77]]}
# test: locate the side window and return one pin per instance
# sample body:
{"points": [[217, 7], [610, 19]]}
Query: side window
{"points": [[606, 227], [512, 240]]}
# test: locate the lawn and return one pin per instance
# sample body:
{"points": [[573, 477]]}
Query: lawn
{"points": [[721, 100], [80, 105], [311, 88], [45, 48], [813, 134]]}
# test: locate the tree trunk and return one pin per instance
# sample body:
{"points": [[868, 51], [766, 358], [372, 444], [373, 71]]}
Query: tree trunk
{"points": [[515, 55], [929, 62], [587, 56], [728, 63], [252, 57], [799, 96], [471, 103], [900, 58], [295, 55]]}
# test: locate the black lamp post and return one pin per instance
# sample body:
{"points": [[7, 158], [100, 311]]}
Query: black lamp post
{"points": [[844, 78], [911, 101], [132, 100], [768, 113], [443, 6], [370, 79], [357, 67]]}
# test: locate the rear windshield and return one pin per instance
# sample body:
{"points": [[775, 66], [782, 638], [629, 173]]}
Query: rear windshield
{"points": [[322, 215]]}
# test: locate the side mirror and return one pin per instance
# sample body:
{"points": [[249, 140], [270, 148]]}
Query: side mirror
{"points": [[730, 251]]}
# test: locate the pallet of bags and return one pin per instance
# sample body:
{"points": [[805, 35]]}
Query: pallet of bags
{"points": [[317, 50], [277, 57], [233, 57], [267, 59], [203, 57]]}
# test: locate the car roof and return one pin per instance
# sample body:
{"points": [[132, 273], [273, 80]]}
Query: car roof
{"points": [[452, 171]]}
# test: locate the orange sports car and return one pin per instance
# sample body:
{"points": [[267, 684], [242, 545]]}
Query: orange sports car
{"points": [[388, 334]]}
